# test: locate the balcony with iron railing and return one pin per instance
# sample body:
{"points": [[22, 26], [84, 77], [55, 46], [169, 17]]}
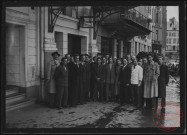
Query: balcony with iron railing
{"points": [[156, 42], [135, 16]]}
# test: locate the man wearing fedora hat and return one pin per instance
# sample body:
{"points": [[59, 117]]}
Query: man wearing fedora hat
{"points": [[50, 82]]}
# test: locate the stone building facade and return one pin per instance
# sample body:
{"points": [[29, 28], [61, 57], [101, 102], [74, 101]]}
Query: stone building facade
{"points": [[31, 38], [172, 41], [159, 29]]}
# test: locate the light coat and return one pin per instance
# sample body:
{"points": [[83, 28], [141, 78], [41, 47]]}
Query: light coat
{"points": [[50, 82], [151, 74]]}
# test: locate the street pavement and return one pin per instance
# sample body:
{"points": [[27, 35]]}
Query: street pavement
{"points": [[95, 115]]}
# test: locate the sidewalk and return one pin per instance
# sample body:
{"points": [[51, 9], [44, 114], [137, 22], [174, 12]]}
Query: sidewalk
{"points": [[90, 115]]}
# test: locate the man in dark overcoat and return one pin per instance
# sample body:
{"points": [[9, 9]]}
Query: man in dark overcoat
{"points": [[61, 79], [124, 79], [163, 80], [83, 73], [100, 78], [93, 81], [88, 76], [110, 79], [73, 77]]}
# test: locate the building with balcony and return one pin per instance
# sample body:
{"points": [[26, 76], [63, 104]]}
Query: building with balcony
{"points": [[33, 33], [172, 41], [159, 29], [143, 43]]}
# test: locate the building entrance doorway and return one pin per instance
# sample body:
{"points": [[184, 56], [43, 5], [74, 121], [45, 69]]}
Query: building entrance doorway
{"points": [[74, 44]]}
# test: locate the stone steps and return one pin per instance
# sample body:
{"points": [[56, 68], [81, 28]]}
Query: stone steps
{"points": [[15, 99]]}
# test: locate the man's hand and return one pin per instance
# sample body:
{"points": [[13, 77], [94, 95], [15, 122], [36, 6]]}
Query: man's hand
{"points": [[139, 84], [127, 84]]}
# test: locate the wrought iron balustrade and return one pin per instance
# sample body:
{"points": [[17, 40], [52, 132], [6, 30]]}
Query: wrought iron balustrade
{"points": [[156, 42], [136, 17]]}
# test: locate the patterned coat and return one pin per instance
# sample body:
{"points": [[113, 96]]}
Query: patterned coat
{"points": [[151, 74], [50, 83]]}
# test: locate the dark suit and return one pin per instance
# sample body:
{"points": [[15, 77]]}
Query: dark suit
{"points": [[92, 79], [104, 83], [83, 81], [88, 76], [78, 84], [100, 73], [163, 80], [130, 66], [61, 78], [72, 95], [124, 79], [110, 80]]}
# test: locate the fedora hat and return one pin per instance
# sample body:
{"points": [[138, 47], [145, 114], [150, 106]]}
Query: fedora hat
{"points": [[55, 53]]}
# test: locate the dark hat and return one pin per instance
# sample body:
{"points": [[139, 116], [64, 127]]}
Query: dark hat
{"points": [[55, 53]]}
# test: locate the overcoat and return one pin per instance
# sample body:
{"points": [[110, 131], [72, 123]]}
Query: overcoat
{"points": [[50, 84], [117, 73], [151, 74], [125, 75], [163, 80], [110, 74], [72, 93], [61, 76]]}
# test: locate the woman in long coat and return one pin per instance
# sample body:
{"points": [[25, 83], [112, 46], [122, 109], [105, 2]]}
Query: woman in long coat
{"points": [[117, 71], [151, 75], [50, 82]]}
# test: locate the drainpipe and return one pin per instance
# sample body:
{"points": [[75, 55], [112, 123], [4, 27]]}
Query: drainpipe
{"points": [[41, 54]]}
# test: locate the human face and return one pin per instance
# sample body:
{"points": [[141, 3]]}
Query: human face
{"points": [[104, 60], [144, 60], [133, 58], [150, 58], [110, 60], [87, 58], [65, 61], [114, 59], [95, 59], [160, 60], [135, 62], [99, 61], [124, 62], [128, 57], [119, 62], [77, 59], [83, 58], [72, 59], [140, 62], [68, 57], [55, 57]]}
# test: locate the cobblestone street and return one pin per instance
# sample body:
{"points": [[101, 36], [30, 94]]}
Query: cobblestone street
{"points": [[91, 115]]}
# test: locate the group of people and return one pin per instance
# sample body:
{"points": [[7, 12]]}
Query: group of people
{"points": [[77, 80]]}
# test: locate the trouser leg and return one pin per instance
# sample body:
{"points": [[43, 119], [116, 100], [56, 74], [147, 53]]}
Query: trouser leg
{"points": [[65, 96], [107, 92], [122, 93], [112, 95], [133, 93], [100, 91], [60, 91], [163, 102], [139, 95], [154, 102]]}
